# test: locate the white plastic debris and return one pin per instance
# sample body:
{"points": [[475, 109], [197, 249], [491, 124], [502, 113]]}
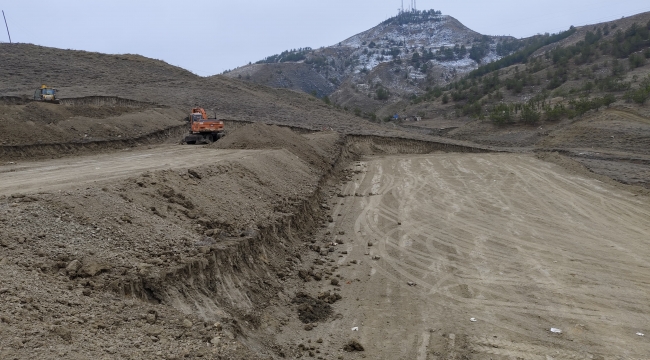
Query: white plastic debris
{"points": [[472, 319], [556, 330], [411, 283], [356, 328], [640, 334]]}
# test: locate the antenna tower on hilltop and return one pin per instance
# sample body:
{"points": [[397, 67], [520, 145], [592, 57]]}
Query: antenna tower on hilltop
{"points": [[3, 15]]}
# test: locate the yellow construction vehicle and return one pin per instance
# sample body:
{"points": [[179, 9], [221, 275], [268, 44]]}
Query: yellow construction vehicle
{"points": [[46, 93]]}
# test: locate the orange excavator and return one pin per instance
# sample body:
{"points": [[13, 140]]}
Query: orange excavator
{"points": [[202, 129]]}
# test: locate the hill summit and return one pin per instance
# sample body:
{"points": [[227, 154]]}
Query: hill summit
{"points": [[400, 57]]}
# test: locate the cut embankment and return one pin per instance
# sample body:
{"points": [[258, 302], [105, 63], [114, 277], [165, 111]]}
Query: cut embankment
{"points": [[32, 152], [163, 253], [262, 136], [32, 129]]}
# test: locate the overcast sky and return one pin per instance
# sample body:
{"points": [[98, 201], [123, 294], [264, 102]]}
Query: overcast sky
{"points": [[210, 36]]}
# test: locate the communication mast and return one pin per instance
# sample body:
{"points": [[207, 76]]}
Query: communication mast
{"points": [[3, 15]]}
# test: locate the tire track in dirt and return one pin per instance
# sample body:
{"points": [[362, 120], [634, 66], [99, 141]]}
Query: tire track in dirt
{"points": [[510, 240]]}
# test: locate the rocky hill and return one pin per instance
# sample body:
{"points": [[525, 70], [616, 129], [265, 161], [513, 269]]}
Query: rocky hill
{"points": [[399, 58]]}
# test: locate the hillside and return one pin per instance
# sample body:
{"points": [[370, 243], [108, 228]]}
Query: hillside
{"points": [[79, 74], [398, 58], [584, 92]]}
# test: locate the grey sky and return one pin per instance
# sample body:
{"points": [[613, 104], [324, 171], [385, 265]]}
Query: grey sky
{"points": [[208, 37]]}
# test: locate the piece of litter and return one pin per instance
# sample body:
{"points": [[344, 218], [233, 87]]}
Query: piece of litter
{"points": [[640, 334], [557, 331], [411, 283], [356, 328], [472, 319]]}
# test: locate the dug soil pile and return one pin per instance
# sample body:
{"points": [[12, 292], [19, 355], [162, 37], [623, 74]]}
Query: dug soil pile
{"points": [[34, 130], [45, 123], [166, 264], [262, 136]]}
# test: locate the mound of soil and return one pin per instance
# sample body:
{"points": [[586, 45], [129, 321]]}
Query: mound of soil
{"points": [[93, 265], [262, 136], [44, 123], [311, 310], [353, 345]]}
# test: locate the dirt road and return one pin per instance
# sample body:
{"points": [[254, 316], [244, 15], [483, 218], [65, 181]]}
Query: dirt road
{"points": [[52, 175], [479, 256]]}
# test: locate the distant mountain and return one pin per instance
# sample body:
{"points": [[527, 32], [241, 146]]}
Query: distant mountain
{"points": [[399, 58]]}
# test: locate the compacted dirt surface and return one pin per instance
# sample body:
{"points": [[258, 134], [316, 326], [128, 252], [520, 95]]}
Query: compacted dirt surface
{"points": [[53, 175], [480, 256]]}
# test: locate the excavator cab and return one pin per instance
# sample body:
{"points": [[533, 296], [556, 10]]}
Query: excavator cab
{"points": [[46, 93]]}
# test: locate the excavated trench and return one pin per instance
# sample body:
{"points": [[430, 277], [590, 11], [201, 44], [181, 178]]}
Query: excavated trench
{"points": [[158, 242], [238, 270], [241, 275]]}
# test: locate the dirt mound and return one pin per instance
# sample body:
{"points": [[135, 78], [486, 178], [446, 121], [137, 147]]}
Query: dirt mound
{"points": [[353, 345], [311, 310], [262, 136], [44, 123], [148, 255]]}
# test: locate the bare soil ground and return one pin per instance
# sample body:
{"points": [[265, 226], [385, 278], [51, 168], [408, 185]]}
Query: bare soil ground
{"points": [[260, 253], [45, 123], [466, 256], [613, 142], [139, 254], [79, 74], [61, 174]]}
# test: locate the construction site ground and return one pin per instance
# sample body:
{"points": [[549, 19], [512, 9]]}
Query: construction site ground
{"points": [[60, 174], [271, 244], [479, 256]]}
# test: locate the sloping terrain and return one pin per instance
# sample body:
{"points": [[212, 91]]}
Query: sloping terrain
{"points": [[159, 98], [480, 256], [149, 259], [454, 237], [42, 123], [294, 76], [584, 92], [79, 74], [421, 48]]}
